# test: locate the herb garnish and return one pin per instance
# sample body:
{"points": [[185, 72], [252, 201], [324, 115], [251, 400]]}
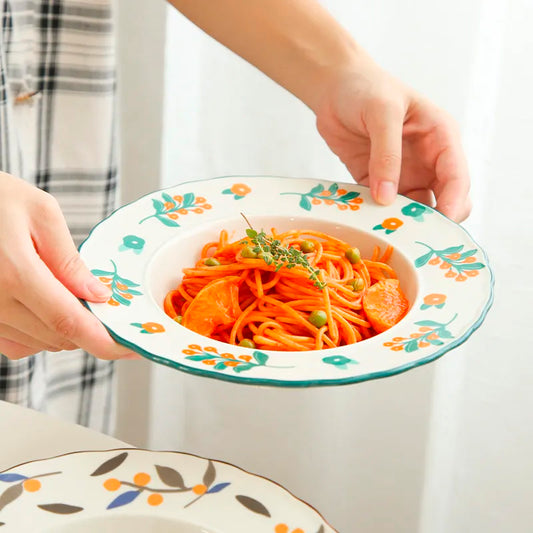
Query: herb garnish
{"points": [[273, 253]]}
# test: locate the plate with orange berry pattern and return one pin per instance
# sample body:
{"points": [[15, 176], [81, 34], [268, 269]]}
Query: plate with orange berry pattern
{"points": [[141, 250], [139, 490]]}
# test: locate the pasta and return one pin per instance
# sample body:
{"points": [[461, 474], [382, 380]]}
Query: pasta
{"points": [[298, 290]]}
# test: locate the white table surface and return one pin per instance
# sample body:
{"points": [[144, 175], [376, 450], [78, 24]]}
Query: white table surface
{"points": [[27, 435]]}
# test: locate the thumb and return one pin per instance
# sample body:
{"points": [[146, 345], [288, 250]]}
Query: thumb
{"points": [[385, 127], [56, 248]]}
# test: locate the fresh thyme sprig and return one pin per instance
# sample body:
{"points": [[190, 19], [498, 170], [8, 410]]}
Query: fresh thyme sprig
{"points": [[273, 253]]}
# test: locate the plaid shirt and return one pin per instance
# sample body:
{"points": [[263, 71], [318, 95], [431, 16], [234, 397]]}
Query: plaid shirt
{"points": [[57, 96]]}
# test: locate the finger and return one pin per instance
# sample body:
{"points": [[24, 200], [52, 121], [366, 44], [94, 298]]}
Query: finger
{"points": [[49, 300], [14, 350], [422, 196], [21, 318], [14, 335], [56, 248], [385, 126], [452, 185]]}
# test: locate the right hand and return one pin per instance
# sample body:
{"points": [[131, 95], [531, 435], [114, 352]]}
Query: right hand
{"points": [[41, 277]]}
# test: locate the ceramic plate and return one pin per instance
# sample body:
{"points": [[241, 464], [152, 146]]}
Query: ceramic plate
{"points": [[141, 249], [140, 490]]}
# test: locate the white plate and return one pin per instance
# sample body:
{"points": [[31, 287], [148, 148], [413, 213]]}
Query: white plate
{"points": [[135, 491], [142, 248]]}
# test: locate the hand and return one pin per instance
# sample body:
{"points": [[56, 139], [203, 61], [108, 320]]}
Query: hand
{"points": [[393, 140], [41, 275]]}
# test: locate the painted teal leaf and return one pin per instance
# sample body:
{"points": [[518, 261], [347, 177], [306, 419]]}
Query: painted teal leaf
{"points": [[120, 299], [127, 282], [411, 346], [188, 199], [134, 292], [237, 197], [136, 324], [464, 255], [158, 205], [168, 222], [471, 266], [453, 249], [430, 323], [243, 367], [9, 478], [424, 307], [317, 189], [348, 196], [444, 334], [435, 342], [440, 306], [378, 226], [110, 464], [253, 505], [203, 357], [422, 260], [220, 366], [387, 231], [227, 191], [169, 199], [97, 272], [333, 188], [260, 357], [217, 488], [305, 203], [124, 499]]}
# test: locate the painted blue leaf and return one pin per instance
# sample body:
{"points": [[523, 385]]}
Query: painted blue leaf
{"points": [[188, 199], [168, 222], [203, 357], [169, 199], [97, 272], [217, 488], [453, 249], [9, 478], [120, 299], [422, 260], [159, 206], [220, 366], [471, 266], [243, 367], [333, 188], [349, 196], [305, 203], [260, 357], [411, 346], [124, 499], [317, 189], [430, 323]]}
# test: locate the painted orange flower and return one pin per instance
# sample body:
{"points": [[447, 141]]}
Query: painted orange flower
{"points": [[434, 300], [392, 223], [240, 189]]}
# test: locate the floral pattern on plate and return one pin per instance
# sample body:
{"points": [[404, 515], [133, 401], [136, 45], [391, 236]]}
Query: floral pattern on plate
{"points": [[429, 254]]}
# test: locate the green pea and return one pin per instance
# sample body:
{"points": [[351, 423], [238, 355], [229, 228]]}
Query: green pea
{"points": [[353, 255], [318, 318], [357, 284], [211, 262], [247, 343], [248, 252], [307, 247]]}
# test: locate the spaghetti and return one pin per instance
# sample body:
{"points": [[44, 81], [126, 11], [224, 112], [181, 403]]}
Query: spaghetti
{"points": [[299, 290]]}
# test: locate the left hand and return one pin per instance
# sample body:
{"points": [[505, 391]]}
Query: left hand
{"points": [[393, 140]]}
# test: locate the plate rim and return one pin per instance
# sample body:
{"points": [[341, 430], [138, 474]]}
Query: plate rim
{"points": [[268, 382], [176, 452]]}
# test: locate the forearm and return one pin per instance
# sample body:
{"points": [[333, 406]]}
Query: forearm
{"points": [[297, 43]]}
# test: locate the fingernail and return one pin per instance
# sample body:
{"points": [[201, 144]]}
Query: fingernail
{"points": [[98, 289], [386, 192]]}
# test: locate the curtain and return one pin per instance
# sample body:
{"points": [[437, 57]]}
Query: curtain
{"points": [[442, 448]]}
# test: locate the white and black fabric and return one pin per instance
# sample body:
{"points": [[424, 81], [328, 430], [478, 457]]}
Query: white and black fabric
{"points": [[57, 131]]}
